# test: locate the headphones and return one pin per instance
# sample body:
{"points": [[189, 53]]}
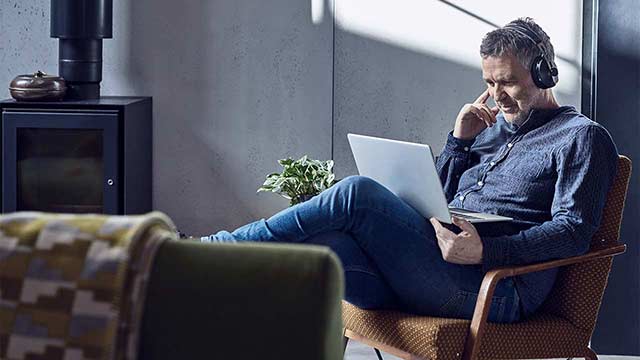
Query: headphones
{"points": [[543, 71]]}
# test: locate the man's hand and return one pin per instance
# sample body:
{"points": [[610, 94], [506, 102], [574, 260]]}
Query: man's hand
{"points": [[464, 248], [475, 117]]}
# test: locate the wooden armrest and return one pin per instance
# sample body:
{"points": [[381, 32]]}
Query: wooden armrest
{"points": [[519, 270], [491, 279]]}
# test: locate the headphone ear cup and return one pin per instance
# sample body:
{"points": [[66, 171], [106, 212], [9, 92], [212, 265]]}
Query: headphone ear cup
{"points": [[542, 74]]}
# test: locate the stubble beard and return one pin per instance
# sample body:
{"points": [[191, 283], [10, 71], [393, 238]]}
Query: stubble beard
{"points": [[521, 116]]}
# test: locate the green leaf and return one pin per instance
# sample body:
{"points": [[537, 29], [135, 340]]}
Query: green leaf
{"points": [[303, 176]]}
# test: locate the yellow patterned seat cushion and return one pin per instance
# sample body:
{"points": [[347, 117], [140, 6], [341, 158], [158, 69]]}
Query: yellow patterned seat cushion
{"points": [[73, 286], [541, 336]]}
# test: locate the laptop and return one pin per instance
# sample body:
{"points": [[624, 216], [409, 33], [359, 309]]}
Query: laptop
{"points": [[409, 171]]}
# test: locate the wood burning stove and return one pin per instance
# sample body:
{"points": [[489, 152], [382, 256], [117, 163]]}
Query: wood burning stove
{"points": [[87, 156]]}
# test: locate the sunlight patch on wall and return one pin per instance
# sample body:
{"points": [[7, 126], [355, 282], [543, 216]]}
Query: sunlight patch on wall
{"points": [[437, 29], [317, 11]]}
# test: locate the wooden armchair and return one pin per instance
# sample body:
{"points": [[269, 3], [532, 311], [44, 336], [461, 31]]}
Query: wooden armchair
{"points": [[561, 328]]}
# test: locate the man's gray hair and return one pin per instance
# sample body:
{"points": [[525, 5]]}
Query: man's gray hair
{"points": [[507, 40]]}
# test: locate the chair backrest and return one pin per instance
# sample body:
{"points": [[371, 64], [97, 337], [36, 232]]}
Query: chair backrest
{"points": [[579, 288]]}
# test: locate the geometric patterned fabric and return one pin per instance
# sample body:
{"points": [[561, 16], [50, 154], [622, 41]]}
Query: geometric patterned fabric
{"points": [[561, 328], [73, 286]]}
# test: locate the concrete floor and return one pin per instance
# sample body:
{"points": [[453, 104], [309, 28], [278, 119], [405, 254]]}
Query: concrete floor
{"points": [[358, 351]]}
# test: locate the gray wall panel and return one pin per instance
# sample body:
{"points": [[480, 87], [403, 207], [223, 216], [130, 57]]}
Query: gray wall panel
{"points": [[25, 45], [236, 86], [388, 91]]}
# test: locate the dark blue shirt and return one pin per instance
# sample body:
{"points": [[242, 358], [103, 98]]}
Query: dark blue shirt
{"points": [[551, 175]]}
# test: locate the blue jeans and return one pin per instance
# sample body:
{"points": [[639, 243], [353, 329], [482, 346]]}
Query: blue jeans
{"points": [[388, 251]]}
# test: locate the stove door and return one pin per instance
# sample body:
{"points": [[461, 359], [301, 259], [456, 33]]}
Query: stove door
{"points": [[63, 162]]}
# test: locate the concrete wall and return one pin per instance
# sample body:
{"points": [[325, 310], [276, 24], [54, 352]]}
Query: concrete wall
{"points": [[236, 86]]}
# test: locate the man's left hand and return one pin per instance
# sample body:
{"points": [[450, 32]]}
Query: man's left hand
{"points": [[464, 248]]}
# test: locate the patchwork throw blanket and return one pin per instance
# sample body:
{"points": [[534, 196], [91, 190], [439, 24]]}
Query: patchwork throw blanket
{"points": [[73, 286]]}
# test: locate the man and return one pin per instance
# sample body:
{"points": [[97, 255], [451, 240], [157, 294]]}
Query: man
{"points": [[546, 166]]}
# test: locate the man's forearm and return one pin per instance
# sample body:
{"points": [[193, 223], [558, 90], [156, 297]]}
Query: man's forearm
{"points": [[555, 239], [454, 160]]}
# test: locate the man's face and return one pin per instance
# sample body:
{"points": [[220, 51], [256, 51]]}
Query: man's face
{"points": [[511, 86]]}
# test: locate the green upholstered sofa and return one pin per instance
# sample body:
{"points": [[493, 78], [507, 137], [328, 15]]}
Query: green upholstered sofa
{"points": [[243, 301]]}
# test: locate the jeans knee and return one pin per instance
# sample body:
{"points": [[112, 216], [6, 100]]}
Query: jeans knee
{"points": [[358, 186], [355, 179]]}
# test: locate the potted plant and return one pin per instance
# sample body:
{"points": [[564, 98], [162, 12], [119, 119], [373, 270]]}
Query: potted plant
{"points": [[300, 179]]}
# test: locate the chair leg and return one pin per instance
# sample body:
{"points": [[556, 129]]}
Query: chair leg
{"points": [[345, 341], [590, 354], [378, 353]]}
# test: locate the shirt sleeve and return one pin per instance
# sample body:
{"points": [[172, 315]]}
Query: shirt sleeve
{"points": [[455, 158], [586, 169]]}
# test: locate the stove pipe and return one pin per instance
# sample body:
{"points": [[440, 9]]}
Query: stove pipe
{"points": [[80, 26]]}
